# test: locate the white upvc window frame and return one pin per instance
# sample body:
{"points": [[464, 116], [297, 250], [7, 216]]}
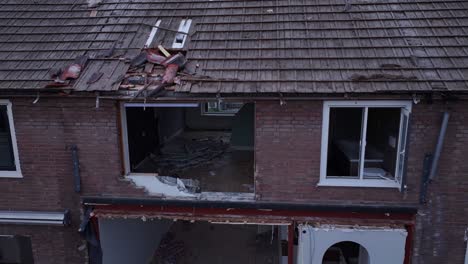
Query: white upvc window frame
{"points": [[16, 173], [361, 182]]}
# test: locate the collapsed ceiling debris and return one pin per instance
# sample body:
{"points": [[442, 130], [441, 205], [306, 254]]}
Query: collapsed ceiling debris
{"points": [[162, 186], [175, 158], [153, 70]]}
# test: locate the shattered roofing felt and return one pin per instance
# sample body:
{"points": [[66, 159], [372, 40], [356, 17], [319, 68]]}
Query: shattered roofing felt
{"points": [[298, 46]]}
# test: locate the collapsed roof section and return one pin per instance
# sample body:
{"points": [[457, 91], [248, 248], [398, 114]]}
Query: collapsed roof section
{"points": [[240, 46]]}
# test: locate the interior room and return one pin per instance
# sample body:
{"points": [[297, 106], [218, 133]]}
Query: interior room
{"points": [[346, 252], [346, 130], [208, 146], [196, 242]]}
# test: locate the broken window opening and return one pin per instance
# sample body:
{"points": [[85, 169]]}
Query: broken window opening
{"points": [[346, 252], [16, 249], [7, 159], [186, 149], [364, 142], [167, 241]]}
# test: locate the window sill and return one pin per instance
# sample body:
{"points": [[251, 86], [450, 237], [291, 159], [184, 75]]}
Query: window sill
{"points": [[359, 183], [10, 174]]}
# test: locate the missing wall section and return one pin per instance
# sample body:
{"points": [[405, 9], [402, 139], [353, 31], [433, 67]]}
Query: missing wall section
{"points": [[186, 151], [167, 241]]}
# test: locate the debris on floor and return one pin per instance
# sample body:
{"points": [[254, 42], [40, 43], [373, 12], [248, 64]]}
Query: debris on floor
{"points": [[184, 154], [184, 185], [205, 153], [170, 250], [163, 187]]}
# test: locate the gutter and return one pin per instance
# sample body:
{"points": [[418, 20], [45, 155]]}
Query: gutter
{"points": [[310, 207], [105, 95]]}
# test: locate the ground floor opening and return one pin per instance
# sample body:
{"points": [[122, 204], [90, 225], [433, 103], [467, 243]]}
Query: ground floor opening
{"points": [[196, 242]]}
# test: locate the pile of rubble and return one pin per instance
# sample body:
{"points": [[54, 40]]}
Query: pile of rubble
{"points": [[183, 155], [152, 71]]}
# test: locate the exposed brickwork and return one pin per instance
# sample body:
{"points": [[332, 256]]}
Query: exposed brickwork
{"points": [[443, 220], [288, 142], [45, 131]]}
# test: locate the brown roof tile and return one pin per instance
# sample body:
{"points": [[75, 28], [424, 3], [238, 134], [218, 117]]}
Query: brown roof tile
{"points": [[288, 46]]}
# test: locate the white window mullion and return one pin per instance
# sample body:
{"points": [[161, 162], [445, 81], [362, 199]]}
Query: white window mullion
{"points": [[362, 151], [12, 133]]}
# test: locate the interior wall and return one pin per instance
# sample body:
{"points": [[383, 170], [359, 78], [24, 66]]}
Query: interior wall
{"points": [[196, 121], [171, 122], [142, 131], [130, 240], [243, 127]]}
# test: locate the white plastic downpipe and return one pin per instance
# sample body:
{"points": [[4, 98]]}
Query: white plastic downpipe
{"points": [[439, 146], [305, 246]]}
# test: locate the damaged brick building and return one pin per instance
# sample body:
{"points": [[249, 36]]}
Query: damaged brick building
{"points": [[234, 131]]}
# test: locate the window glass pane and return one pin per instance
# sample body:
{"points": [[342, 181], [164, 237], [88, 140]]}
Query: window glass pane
{"points": [[7, 161], [383, 126], [222, 108], [344, 137], [16, 249]]}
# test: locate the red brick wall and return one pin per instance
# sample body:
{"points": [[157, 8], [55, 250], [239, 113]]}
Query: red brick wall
{"points": [[442, 221], [45, 131], [288, 142]]}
